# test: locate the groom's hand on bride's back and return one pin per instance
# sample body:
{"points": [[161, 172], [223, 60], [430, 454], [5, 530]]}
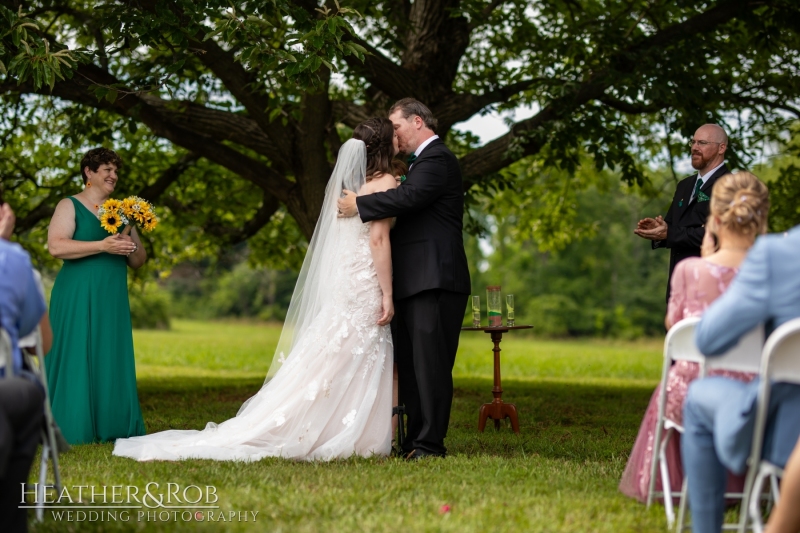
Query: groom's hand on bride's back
{"points": [[347, 204]]}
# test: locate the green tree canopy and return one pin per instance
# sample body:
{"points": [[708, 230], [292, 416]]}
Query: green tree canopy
{"points": [[230, 113]]}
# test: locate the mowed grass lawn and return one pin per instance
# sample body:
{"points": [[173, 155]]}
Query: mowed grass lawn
{"points": [[580, 404]]}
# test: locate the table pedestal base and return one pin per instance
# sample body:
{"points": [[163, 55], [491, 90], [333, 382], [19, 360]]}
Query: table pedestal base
{"points": [[497, 411]]}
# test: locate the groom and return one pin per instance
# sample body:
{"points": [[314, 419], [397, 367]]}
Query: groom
{"points": [[431, 278]]}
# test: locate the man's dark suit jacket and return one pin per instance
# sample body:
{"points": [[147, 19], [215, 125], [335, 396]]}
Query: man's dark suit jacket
{"points": [[686, 221], [427, 242]]}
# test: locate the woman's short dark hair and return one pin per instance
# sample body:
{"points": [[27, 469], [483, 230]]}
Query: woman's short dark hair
{"points": [[99, 156], [377, 134], [411, 106]]}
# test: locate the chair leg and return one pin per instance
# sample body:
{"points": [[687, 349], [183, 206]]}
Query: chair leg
{"points": [[776, 489], [754, 507], [682, 505], [651, 491], [666, 486], [747, 492], [51, 438], [42, 481]]}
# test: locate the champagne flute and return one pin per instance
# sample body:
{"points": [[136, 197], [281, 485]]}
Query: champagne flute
{"points": [[509, 309], [476, 311]]}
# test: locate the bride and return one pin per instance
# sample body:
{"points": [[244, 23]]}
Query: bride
{"points": [[328, 392]]}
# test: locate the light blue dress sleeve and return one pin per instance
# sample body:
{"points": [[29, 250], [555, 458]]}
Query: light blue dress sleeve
{"points": [[741, 308]]}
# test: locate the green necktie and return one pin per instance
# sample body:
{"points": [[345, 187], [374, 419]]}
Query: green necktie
{"points": [[411, 159], [697, 188]]}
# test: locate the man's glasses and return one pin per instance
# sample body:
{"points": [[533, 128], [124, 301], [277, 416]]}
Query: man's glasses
{"points": [[702, 144]]}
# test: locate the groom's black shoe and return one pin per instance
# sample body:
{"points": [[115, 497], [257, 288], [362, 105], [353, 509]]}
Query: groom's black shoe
{"points": [[419, 453]]}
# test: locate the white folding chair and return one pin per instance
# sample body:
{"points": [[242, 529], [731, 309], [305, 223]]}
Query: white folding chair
{"points": [[678, 346], [745, 356], [780, 364], [6, 358]]}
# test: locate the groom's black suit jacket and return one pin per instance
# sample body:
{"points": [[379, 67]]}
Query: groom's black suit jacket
{"points": [[427, 242], [686, 221]]}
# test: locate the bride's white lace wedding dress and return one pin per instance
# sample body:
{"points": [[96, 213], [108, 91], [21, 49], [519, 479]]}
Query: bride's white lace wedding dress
{"points": [[331, 396]]}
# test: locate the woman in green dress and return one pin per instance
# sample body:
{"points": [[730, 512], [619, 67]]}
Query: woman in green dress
{"points": [[91, 372]]}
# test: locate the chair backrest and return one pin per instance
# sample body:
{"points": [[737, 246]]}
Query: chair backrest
{"points": [[781, 360], [744, 357], [679, 343], [6, 355]]}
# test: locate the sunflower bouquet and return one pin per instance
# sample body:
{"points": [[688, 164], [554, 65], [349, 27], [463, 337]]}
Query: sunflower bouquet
{"points": [[132, 210]]}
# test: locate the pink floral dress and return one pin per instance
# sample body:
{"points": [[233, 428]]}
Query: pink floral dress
{"points": [[695, 284]]}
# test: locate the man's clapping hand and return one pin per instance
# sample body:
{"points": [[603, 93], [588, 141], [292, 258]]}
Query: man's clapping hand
{"points": [[654, 229]]}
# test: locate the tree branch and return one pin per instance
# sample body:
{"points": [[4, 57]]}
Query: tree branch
{"points": [[628, 107], [524, 137], [460, 107], [236, 235], [485, 13], [236, 79], [745, 99], [168, 177], [242, 86], [222, 125], [349, 113], [78, 89], [44, 210], [384, 74]]}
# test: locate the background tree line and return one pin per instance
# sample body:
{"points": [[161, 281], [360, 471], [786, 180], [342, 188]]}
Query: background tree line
{"points": [[576, 270], [229, 115]]}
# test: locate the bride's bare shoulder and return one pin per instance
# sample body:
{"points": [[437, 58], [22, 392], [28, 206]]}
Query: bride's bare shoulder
{"points": [[379, 183]]}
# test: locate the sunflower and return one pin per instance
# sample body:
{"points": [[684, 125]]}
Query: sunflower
{"points": [[110, 221], [112, 205], [150, 222], [128, 206]]}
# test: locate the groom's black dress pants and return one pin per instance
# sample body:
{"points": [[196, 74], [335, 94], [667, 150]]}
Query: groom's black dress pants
{"points": [[425, 331]]}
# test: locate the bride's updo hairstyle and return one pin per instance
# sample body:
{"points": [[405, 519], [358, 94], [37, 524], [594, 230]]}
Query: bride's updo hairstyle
{"points": [[741, 201], [377, 134]]}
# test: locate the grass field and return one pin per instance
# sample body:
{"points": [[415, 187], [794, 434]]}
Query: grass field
{"points": [[580, 404]]}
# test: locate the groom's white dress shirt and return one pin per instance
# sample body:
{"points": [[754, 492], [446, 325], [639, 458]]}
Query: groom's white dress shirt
{"points": [[422, 146]]}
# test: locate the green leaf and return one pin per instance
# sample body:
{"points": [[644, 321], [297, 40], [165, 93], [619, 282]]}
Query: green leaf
{"points": [[175, 67], [49, 76], [37, 76]]}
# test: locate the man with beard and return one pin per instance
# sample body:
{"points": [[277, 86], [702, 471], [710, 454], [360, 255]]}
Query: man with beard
{"points": [[683, 229]]}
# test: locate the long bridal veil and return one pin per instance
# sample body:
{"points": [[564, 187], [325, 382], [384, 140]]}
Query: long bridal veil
{"points": [[327, 393], [315, 283]]}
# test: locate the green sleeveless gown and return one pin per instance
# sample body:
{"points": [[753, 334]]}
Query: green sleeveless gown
{"points": [[91, 372]]}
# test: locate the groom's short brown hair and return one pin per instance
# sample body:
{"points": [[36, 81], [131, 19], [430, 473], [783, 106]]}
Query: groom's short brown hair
{"points": [[411, 106]]}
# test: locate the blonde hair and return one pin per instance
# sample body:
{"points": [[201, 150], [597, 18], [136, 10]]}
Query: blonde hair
{"points": [[741, 201]]}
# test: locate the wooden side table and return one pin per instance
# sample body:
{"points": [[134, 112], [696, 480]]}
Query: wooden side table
{"points": [[497, 410]]}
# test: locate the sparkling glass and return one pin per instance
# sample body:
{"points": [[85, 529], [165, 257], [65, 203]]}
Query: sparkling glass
{"points": [[494, 305], [476, 311], [509, 309]]}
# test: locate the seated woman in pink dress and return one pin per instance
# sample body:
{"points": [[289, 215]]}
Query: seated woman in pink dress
{"points": [[739, 205]]}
